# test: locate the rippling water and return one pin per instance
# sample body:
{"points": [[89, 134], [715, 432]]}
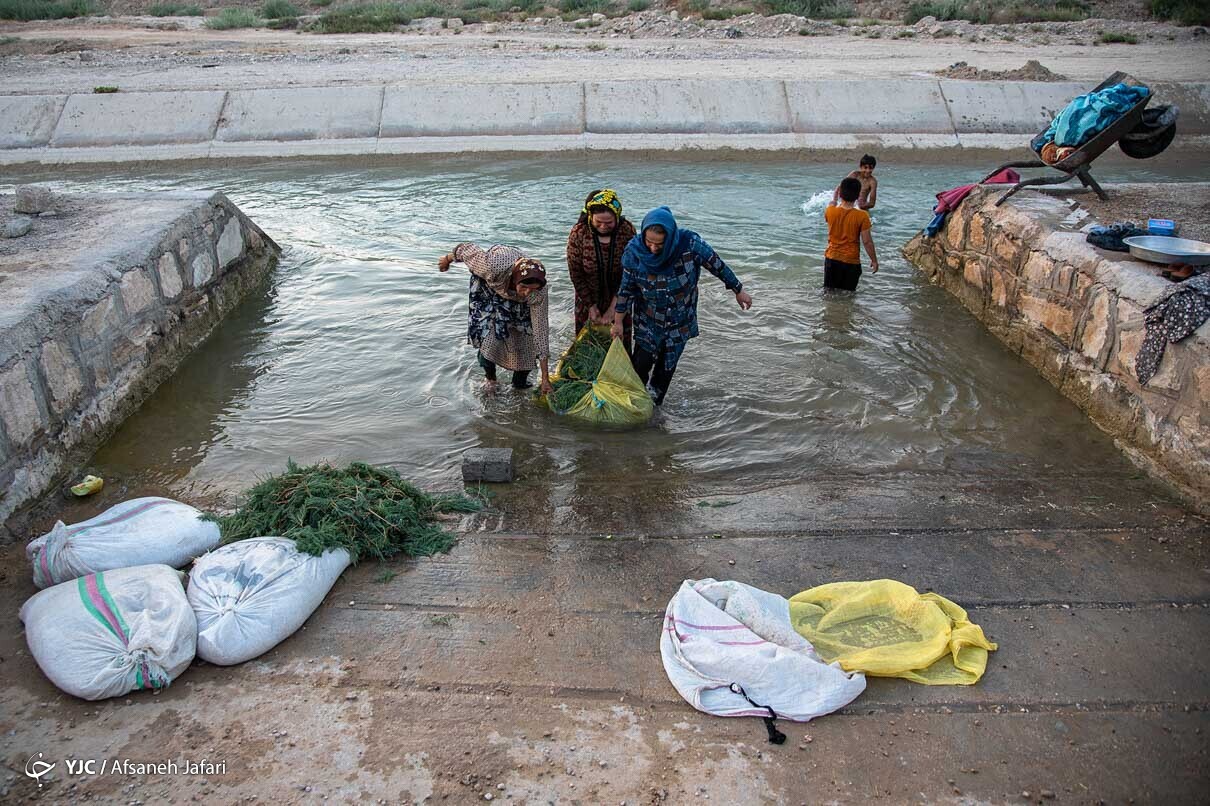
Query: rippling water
{"points": [[357, 351]]}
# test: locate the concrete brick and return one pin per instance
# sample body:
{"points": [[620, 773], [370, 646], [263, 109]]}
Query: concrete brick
{"points": [[138, 118], [202, 269], [692, 106], [138, 291], [19, 404], [230, 243], [99, 319], [868, 106], [63, 377], [488, 464], [28, 121], [414, 110], [170, 276], [303, 113]]}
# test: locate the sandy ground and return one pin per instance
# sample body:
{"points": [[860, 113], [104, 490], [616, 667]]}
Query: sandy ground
{"points": [[94, 53]]}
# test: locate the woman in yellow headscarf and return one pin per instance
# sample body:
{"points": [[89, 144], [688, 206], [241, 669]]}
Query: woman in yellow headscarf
{"points": [[594, 258]]}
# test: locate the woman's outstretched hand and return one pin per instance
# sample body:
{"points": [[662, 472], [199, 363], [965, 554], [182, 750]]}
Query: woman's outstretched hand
{"points": [[443, 264], [744, 299]]}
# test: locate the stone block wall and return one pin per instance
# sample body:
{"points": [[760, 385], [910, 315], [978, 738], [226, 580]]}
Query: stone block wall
{"points": [[89, 328], [1077, 315]]}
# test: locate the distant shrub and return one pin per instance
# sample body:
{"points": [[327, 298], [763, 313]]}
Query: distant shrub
{"points": [[989, 11], [174, 10], [1113, 37], [375, 17], [25, 10], [230, 18], [635, 6], [279, 9], [585, 6], [105, 90], [724, 13], [1184, 12], [815, 9]]}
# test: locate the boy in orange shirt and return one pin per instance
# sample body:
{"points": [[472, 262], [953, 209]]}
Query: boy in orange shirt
{"points": [[847, 225]]}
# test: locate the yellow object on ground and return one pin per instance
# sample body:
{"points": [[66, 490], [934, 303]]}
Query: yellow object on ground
{"points": [[617, 396], [88, 486], [888, 629]]}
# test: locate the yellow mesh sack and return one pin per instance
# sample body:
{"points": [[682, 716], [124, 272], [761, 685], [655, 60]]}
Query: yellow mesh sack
{"points": [[887, 629], [617, 396]]}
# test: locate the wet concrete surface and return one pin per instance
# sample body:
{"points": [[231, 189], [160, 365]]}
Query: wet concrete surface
{"points": [[525, 664]]}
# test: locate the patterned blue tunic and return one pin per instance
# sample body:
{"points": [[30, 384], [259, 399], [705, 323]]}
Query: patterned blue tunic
{"points": [[665, 301]]}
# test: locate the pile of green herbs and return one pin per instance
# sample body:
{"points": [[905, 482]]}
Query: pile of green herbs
{"points": [[578, 369], [368, 511]]}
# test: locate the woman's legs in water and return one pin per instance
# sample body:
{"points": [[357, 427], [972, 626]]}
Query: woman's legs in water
{"points": [[661, 378]]}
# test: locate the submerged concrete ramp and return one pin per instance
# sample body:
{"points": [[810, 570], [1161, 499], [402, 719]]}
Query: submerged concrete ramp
{"points": [[755, 114], [525, 664]]}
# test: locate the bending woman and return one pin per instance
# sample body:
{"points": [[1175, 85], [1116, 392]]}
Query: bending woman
{"points": [[661, 268], [594, 258], [508, 322]]}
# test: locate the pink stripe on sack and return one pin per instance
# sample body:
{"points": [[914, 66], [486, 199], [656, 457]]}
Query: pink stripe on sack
{"points": [[707, 626], [139, 510], [46, 574], [742, 643], [102, 606]]}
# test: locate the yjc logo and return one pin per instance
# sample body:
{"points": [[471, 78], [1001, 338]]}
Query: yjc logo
{"points": [[35, 768]]}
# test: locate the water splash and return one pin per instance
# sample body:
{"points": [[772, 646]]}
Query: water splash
{"points": [[817, 203]]}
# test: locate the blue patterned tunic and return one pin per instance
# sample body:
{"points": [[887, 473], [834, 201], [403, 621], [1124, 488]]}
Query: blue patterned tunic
{"points": [[665, 301]]}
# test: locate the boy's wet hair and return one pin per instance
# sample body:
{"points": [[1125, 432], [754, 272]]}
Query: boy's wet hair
{"points": [[850, 189], [866, 159]]}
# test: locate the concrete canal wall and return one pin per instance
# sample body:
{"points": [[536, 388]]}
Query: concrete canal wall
{"points": [[672, 115], [99, 303], [1077, 313]]}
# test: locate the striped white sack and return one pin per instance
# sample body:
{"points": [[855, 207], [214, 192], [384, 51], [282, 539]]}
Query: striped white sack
{"points": [[107, 634], [722, 635], [142, 531]]}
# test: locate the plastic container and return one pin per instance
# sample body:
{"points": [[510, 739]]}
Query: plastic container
{"points": [[1161, 226]]}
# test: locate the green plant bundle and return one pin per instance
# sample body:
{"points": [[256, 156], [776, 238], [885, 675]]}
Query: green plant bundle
{"points": [[996, 11], [369, 511], [584, 360], [567, 394]]}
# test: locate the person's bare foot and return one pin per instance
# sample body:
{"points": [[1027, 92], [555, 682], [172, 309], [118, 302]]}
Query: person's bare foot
{"points": [[490, 386]]}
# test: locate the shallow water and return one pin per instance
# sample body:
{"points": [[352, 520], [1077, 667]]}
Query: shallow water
{"points": [[357, 350]]}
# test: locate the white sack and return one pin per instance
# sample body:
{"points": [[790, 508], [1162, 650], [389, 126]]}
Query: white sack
{"points": [[721, 633], [251, 595], [142, 531], [107, 634]]}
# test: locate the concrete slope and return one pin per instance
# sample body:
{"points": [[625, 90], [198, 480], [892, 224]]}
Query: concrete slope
{"points": [[446, 117]]}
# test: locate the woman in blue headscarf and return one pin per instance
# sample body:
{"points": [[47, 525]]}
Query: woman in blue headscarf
{"points": [[660, 270]]}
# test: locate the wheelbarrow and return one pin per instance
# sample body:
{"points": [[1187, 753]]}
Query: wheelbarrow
{"points": [[1077, 164]]}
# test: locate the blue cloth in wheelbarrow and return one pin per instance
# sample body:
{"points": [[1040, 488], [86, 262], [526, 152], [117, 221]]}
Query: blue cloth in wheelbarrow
{"points": [[1089, 115]]}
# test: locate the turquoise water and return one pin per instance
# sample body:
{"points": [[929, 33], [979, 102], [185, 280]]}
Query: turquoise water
{"points": [[357, 349]]}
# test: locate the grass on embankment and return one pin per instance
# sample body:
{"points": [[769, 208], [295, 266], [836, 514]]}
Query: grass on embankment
{"points": [[174, 10], [1183, 12], [25, 10], [231, 18], [990, 11]]}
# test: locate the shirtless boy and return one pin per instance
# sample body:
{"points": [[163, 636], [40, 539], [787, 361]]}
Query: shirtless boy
{"points": [[869, 185]]}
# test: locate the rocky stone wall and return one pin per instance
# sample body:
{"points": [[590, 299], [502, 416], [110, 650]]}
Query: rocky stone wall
{"points": [[1077, 314], [100, 300]]}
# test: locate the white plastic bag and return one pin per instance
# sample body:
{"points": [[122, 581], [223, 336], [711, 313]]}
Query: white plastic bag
{"points": [[725, 640], [142, 531], [110, 633], [251, 595]]}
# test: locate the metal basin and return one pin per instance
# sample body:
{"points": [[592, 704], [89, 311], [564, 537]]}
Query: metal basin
{"points": [[1163, 249]]}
